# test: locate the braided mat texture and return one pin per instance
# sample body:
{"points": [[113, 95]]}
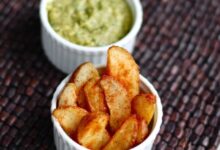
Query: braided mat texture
{"points": [[178, 50]]}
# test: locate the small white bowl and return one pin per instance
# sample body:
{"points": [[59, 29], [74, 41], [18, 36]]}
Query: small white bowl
{"points": [[66, 55], [64, 142]]}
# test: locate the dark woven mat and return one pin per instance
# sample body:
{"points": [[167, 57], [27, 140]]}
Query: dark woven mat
{"points": [[178, 50]]}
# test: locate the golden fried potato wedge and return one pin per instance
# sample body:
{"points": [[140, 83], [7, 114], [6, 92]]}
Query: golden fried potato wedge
{"points": [[122, 66], [91, 132], [125, 137], [69, 118], [99, 117], [142, 130], [144, 106], [84, 73], [117, 101], [95, 96], [68, 96]]}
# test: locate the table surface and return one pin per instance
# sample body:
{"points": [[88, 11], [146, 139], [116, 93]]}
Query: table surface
{"points": [[178, 50]]}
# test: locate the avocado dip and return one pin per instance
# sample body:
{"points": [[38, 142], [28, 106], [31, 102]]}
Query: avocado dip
{"points": [[90, 22]]}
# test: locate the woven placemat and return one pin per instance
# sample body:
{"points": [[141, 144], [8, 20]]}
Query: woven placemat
{"points": [[178, 50]]}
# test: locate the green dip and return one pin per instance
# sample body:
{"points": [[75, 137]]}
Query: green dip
{"points": [[90, 22]]}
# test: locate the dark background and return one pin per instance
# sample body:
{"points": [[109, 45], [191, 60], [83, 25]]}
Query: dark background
{"points": [[178, 50]]}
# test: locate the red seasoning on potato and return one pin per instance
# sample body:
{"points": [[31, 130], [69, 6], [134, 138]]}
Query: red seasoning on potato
{"points": [[69, 118], [92, 131], [80, 77], [68, 96], [144, 106], [95, 96], [125, 137], [117, 101], [122, 66]]}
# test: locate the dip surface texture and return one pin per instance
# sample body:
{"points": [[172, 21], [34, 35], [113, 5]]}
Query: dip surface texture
{"points": [[90, 22]]}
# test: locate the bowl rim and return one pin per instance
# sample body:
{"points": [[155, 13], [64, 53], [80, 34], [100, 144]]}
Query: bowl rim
{"points": [[138, 19], [147, 141]]}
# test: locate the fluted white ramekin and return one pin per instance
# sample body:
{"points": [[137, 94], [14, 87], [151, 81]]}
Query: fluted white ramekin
{"points": [[66, 55], [64, 142]]}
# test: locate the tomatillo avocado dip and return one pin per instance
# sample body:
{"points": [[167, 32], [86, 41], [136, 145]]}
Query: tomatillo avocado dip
{"points": [[90, 22]]}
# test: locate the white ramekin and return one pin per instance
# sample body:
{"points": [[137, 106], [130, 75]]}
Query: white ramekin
{"points": [[64, 142], [66, 55]]}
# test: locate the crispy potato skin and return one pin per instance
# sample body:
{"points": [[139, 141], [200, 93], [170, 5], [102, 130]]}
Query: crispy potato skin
{"points": [[95, 96], [122, 66], [83, 73], [144, 106], [142, 130], [117, 101], [91, 132], [68, 96], [69, 118], [125, 137]]}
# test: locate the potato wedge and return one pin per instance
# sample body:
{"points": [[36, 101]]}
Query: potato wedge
{"points": [[81, 99], [144, 106], [91, 132], [69, 118], [95, 96], [125, 137], [117, 101], [122, 66], [142, 130], [68, 96], [84, 73]]}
